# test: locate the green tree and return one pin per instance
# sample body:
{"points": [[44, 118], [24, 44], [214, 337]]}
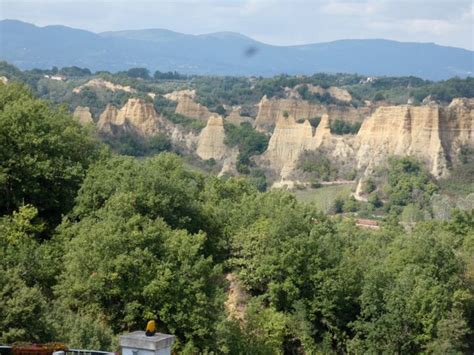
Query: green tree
{"points": [[139, 268], [25, 278], [248, 140], [408, 183], [44, 154]]}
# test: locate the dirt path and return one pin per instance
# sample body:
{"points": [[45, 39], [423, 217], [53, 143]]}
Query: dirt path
{"points": [[236, 298]]}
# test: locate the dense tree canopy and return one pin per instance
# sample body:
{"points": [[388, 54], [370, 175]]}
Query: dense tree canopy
{"points": [[44, 154]]}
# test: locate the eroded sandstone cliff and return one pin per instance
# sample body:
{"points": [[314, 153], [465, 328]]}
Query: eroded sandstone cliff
{"points": [[271, 110], [179, 94], [83, 115], [431, 133], [137, 116], [188, 107], [104, 84], [140, 118], [402, 130], [290, 139], [210, 143], [236, 118]]}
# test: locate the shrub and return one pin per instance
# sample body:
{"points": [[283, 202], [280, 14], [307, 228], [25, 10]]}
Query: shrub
{"points": [[341, 127]]}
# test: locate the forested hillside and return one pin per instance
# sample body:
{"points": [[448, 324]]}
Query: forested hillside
{"points": [[93, 244], [224, 53]]}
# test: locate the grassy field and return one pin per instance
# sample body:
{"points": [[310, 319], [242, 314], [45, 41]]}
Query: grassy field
{"points": [[324, 196]]}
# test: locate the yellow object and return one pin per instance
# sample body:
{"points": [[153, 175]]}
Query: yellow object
{"points": [[150, 327]]}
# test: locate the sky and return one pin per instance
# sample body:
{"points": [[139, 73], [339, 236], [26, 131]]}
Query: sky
{"points": [[278, 22]]}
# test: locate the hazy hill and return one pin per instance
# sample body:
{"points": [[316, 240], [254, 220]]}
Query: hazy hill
{"points": [[223, 53]]}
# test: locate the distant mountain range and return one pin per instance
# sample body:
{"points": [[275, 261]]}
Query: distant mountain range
{"points": [[225, 53]]}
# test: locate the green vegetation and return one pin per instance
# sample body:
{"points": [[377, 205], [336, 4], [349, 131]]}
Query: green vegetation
{"points": [[405, 190], [133, 145], [460, 182], [136, 73], [408, 183], [325, 99], [340, 127], [94, 244], [166, 107], [42, 161], [248, 141], [193, 124], [325, 196], [213, 92], [318, 165]]}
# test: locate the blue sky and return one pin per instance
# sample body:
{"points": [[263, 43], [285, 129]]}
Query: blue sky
{"points": [[446, 22]]}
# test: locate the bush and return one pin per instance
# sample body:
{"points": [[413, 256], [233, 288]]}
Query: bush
{"points": [[351, 205], [374, 200], [314, 121], [408, 183], [133, 145], [338, 205], [318, 165], [369, 186], [249, 142], [195, 125], [341, 127]]}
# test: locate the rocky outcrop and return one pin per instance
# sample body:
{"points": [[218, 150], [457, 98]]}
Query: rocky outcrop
{"points": [[236, 118], [179, 94], [271, 110], [402, 130], [210, 143], [290, 139], [140, 118], [136, 116], [457, 127], [104, 84], [335, 92], [431, 133], [3, 79], [188, 107], [83, 115], [107, 119]]}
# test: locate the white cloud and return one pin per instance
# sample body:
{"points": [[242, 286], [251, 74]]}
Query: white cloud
{"points": [[345, 8], [416, 26]]}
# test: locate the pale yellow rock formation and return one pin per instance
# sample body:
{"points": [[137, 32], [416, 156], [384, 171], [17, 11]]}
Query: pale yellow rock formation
{"points": [[104, 84], [402, 130], [179, 94], [431, 133], [210, 143], [323, 131], [290, 139], [107, 119], [337, 93], [3, 79], [83, 115], [457, 127], [187, 107], [136, 115], [236, 118], [271, 110], [287, 142]]}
